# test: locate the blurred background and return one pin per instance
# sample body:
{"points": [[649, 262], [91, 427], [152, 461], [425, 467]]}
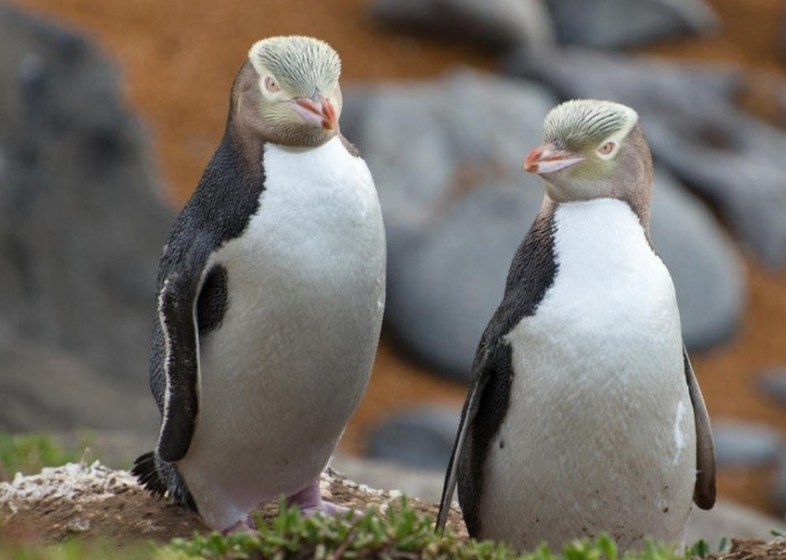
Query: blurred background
{"points": [[109, 111]]}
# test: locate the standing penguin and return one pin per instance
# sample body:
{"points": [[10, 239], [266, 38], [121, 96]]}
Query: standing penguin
{"points": [[270, 297], [584, 414]]}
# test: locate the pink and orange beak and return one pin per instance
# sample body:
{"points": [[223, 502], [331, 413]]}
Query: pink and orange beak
{"points": [[548, 159], [316, 110]]}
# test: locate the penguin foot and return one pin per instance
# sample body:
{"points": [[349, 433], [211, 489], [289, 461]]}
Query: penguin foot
{"points": [[309, 501]]}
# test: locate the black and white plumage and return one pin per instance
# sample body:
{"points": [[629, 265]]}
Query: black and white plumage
{"points": [[584, 414], [270, 296]]}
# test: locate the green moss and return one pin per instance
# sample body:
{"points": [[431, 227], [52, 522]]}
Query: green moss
{"points": [[75, 550], [29, 454], [401, 534]]}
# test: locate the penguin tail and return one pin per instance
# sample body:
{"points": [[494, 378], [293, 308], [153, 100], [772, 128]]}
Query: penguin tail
{"points": [[146, 472], [162, 479]]}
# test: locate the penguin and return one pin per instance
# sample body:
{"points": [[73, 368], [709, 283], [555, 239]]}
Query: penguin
{"points": [[584, 414], [270, 297]]}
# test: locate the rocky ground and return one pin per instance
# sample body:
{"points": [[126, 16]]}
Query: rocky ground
{"points": [[92, 501]]}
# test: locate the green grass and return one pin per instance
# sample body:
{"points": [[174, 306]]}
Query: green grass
{"points": [[75, 550], [28, 454], [401, 534]]}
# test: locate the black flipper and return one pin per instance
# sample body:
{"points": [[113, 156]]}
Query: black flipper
{"points": [[467, 417], [705, 490], [177, 314]]}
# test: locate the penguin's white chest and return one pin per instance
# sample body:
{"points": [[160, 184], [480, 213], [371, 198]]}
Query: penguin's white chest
{"points": [[290, 361], [599, 434]]}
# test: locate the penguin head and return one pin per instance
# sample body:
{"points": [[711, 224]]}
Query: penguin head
{"points": [[594, 149], [288, 91]]}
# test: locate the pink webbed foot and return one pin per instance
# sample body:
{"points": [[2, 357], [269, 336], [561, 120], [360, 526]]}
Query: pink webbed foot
{"points": [[309, 501]]}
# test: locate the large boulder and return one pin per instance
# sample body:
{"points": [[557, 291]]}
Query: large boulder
{"points": [[496, 24], [82, 220], [609, 24]]}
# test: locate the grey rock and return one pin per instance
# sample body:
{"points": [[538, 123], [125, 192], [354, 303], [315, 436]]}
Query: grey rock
{"points": [[498, 24], [703, 262], [443, 289], [82, 222], [419, 438], [741, 444], [694, 128], [779, 492], [46, 390], [609, 24], [447, 164], [772, 382]]}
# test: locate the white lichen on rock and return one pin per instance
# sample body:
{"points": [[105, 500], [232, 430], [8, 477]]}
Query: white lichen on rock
{"points": [[71, 481]]}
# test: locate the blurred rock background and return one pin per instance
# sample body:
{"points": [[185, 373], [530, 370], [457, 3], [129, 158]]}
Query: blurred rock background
{"points": [[109, 111]]}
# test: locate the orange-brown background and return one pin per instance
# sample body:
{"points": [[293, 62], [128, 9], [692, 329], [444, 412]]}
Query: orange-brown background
{"points": [[179, 57]]}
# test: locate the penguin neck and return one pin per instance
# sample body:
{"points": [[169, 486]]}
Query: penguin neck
{"points": [[640, 204], [600, 235], [641, 211], [247, 146]]}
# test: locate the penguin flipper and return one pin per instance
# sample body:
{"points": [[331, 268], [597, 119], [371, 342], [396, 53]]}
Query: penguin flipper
{"points": [[468, 413], [704, 491], [177, 316]]}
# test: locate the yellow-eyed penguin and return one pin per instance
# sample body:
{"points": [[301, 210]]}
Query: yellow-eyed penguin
{"points": [[270, 297], [584, 414]]}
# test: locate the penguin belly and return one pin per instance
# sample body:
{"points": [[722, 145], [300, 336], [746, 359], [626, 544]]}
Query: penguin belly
{"points": [[599, 433], [290, 360]]}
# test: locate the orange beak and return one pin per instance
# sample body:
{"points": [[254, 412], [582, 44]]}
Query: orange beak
{"points": [[316, 110], [548, 159]]}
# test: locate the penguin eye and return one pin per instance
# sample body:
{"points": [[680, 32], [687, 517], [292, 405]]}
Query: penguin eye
{"points": [[272, 85], [607, 148]]}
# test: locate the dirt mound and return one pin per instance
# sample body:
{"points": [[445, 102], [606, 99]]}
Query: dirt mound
{"points": [[93, 501], [89, 501]]}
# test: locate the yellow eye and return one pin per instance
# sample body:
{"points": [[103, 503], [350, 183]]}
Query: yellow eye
{"points": [[607, 148], [272, 85]]}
